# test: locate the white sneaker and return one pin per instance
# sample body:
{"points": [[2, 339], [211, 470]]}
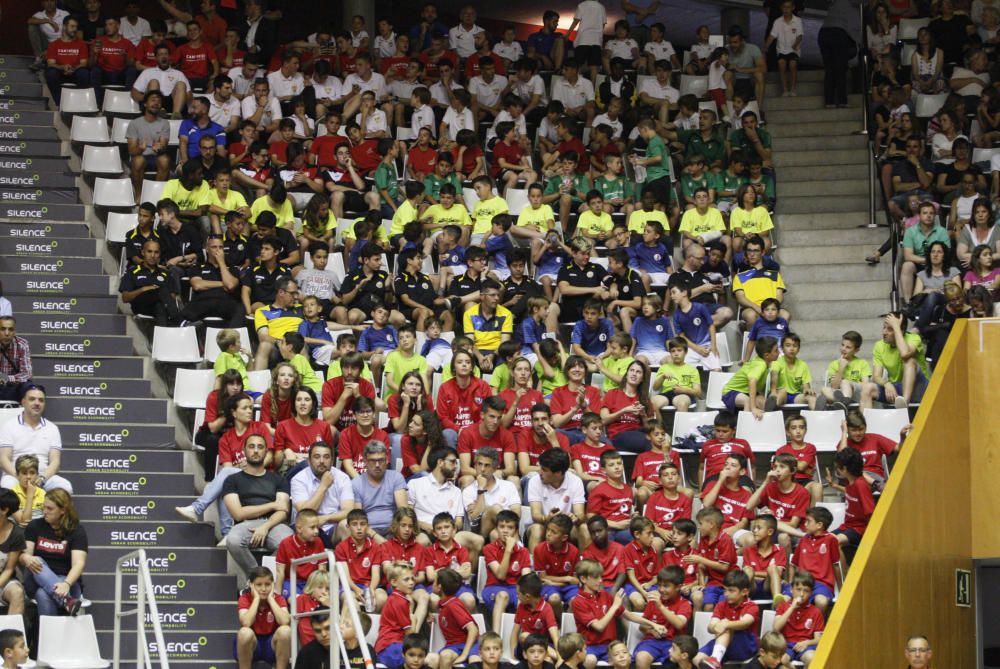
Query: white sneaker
{"points": [[188, 513], [901, 402], [222, 543]]}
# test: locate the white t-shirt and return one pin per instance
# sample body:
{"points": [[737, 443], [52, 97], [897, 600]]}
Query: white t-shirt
{"points": [[559, 499], [621, 48], [654, 89], [357, 39], [302, 131], [527, 89], [701, 51], [661, 50], [503, 115], [25, 440], [423, 118], [971, 89], [167, 79], [376, 122], [222, 112], [375, 84], [547, 129], [716, 76], [135, 33], [385, 47], [504, 494], [458, 120], [272, 110], [331, 88], [51, 34], [440, 95], [242, 86], [429, 498], [573, 95], [592, 16], [616, 126], [282, 86], [463, 41], [402, 89], [487, 93], [512, 52], [689, 123], [786, 32]]}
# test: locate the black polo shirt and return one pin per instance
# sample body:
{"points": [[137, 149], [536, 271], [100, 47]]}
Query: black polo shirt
{"points": [[140, 276], [629, 284], [692, 280], [261, 282], [528, 288], [209, 272], [590, 275], [135, 239], [236, 250], [370, 294], [282, 235], [417, 287], [184, 241]]}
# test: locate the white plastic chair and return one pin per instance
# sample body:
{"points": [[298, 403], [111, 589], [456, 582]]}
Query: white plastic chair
{"points": [[260, 380], [700, 628], [212, 347], [113, 192], [271, 563], [101, 160], [78, 101], [7, 413], [118, 130], [69, 642], [480, 578], [765, 435], [152, 190], [175, 128], [984, 155], [685, 421], [119, 224], [506, 629], [192, 386], [696, 85], [404, 133], [175, 345], [839, 511], [437, 642], [517, 200], [928, 105], [713, 393], [767, 621], [887, 422], [722, 344], [633, 636], [823, 429], [372, 635], [470, 198], [567, 625], [90, 130], [908, 29], [120, 102]]}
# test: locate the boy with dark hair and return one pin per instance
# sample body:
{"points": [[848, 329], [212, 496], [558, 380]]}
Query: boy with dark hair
{"points": [[666, 608], [534, 615], [362, 290], [734, 624], [610, 555], [264, 633], [817, 553], [613, 499], [715, 557], [591, 335], [787, 500], [730, 496], [460, 631], [555, 561], [723, 444], [763, 562], [849, 467], [506, 560], [746, 390], [800, 622], [849, 377], [13, 648]]}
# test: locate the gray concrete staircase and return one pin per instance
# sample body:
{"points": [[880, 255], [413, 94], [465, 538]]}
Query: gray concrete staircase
{"points": [[822, 191]]}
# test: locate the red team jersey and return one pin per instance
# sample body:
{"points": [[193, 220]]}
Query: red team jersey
{"points": [[264, 624], [352, 446], [332, 390], [803, 624], [538, 620], [611, 558], [511, 153], [647, 465], [527, 442], [114, 54], [753, 558], [643, 561], [678, 606], [615, 504], [664, 512], [360, 560], [470, 440], [590, 457], [726, 611], [324, 149], [520, 560], [616, 400], [194, 61], [394, 550], [817, 555], [457, 407], [714, 454], [564, 399], [860, 505], [674, 557], [556, 563], [454, 620], [231, 445], [588, 607], [785, 505], [422, 160], [297, 437], [292, 548], [806, 454], [732, 504], [721, 550], [395, 621], [872, 448], [67, 53], [439, 557], [267, 416], [145, 51], [521, 427]]}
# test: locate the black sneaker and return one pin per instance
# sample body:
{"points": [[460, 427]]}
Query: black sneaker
{"points": [[839, 397], [771, 403], [71, 605]]}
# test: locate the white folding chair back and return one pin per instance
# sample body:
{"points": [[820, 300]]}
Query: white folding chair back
{"points": [[78, 101], [700, 628], [342, 225], [260, 380], [175, 128], [696, 85], [175, 345], [839, 511], [119, 129], [722, 344], [517, 200], [767, 621], [906, 55], [984, 155], [192, 386], [120, 102], [928, 105], [404, 133], [633, 636], [716, 381], [567, 625], [212, 347], [90, 130], [118, 225], [69, 642], [470, 198], [271, 563], [113, 192], [372, 635], [908, 29], [506, 629], [480, 578], [887, 422], [685, 421], [823, 429], [152, 190], [101, 160], [765, 435]]}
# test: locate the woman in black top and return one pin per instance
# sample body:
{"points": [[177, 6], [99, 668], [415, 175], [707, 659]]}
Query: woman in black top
{"points": [[55, 556]]}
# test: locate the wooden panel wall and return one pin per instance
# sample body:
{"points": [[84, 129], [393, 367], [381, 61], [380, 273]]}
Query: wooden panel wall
{"points": [[902, 579], [984, 428]]}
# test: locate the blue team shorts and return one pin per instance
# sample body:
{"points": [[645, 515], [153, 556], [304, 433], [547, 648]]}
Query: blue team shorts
{"points": [[565, 592], [713, 594], [264, 652], [658, 648], [490, 594], [821, 589], [391, 656], [742, 646]]}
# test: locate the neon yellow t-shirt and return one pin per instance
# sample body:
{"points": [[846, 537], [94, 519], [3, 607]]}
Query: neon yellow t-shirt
{"points": [[637, 220], [683, 375], [484, 212], [792, 379], [857, 370], [334, 371], [234, 200], [542, 219], [754, 369], [399, 365], [456, 214], [557, 381], [184, 198], [306, 373], [697, 224], [405, 213], [380, 234], [593, 224], [284, 212], [752, 222], [226, 361], [618, 366], [891, 361]]}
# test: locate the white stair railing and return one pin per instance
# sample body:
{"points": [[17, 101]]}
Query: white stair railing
{"points": [[145, 598]]}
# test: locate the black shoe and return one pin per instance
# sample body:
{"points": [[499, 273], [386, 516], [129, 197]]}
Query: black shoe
{"points": [[71, 605], [771, 403]]}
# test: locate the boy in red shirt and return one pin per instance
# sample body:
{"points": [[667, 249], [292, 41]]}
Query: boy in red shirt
{"points": [[555, 563], [858, 493], [360, 551], [609, 554], [303, 543], [460, 631], [799, 621], [533, 615], [667, 505], [642, 563], [196, 59], [730, 497], [787, 500], [805, 457], [817, 553], [112, 56], [715, 557], [323, 150], [646, 470], [506, 561], [763, 562], [668, 609], [715, 451], [587, 454], [265, 635], [145, 51], [683, 536], [613, 498], [734, 624], [396, 622], [595, 611], [873, 447], [446, 552]]}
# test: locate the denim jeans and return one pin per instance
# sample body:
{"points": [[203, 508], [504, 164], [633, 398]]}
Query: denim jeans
{"points": [[213, 493], [42, 585]]}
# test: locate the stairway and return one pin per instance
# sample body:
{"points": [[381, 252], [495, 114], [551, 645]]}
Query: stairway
{"points": [[822, 191], [117, 426]]}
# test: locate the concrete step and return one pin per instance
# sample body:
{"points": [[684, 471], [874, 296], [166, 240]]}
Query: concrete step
{"points": [[840, 290], [814, 128], [804, 75], [780, 118], [35, 148], [195, 559], [28, 118], [827, 173], [76, 285], [826, 237], [26, 90], [23, 104], [52, 266], [845, 220], [29, 133], [131, 484], [100, 368], [106, 410], [63, 230], [92, 324], [845, 255], [105, 387], [807, 204], [39, 212], [822, 187], [10, 164], [781, 144], [123, 461], [796, 274], [774, 89], [857, 309], [119, 435], [22, 179], [177, 616], [189, 648], [828, 329], [807, 103], [820, 158]]}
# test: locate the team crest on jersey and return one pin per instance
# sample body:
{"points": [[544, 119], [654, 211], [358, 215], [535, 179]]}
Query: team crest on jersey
{"points": [[656, 257], [697, 321], [614, 563], [659, 328], [424, 285], [366, 563], [590, 275], [602, 337], [822, 549], [567, 566], [515, 565], [378, 284], [809, 623], [479, 400]]}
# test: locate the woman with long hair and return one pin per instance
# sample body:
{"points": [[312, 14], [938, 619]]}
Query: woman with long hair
{"points": [[937, 274], [626, 409], [520, 397], [982, 272], [410, 400], [423, 436], [55, 556], [210, 431], [295, 435], [927, 65], [276, 402], [980, 230], [239, 426], [318, 223], [569, 402], [460, 398]]}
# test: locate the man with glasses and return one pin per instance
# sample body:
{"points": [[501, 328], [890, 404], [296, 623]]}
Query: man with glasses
{"points": [[31, 434], [15, 361], [489, 494], [437, 493], [918, 652], [488, 323], [379, 491], [272, 322], [757, 283], [326, 490], [463, 292]]}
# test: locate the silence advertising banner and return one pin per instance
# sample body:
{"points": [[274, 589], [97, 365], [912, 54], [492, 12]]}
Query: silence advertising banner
{"points": [[39, 195], [159, 560], [35, 147], [51, 266], [39, 247], [25, 90], [87, 368], [130, 435], [69, 324], [10, 165], [32, 211], [104, 410], [23, 104], [59, 387], [76, 284], [9, 75], [80, 345], [45, 230], [71, 305], [38, 132], [189, 645], [15, 60], [174, 616], [123, 462], [27, 179]]}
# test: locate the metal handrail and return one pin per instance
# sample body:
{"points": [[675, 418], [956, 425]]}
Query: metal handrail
{"points": [[144, 596]]}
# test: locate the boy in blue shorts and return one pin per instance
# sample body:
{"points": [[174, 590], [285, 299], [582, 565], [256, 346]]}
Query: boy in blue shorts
{"points": [[555, 562], [265, 635], [668, 609], [651, 256], [534, 617], [745, 391], [734, 624], [506, 561], [591, 335], [460, 631], [642, 563], [800, 622], [596, 611]]}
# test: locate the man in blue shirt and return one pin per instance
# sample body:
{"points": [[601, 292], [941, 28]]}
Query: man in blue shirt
{"points": [[380, 490], [547, 45], [199, 125], [421, 33]]}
